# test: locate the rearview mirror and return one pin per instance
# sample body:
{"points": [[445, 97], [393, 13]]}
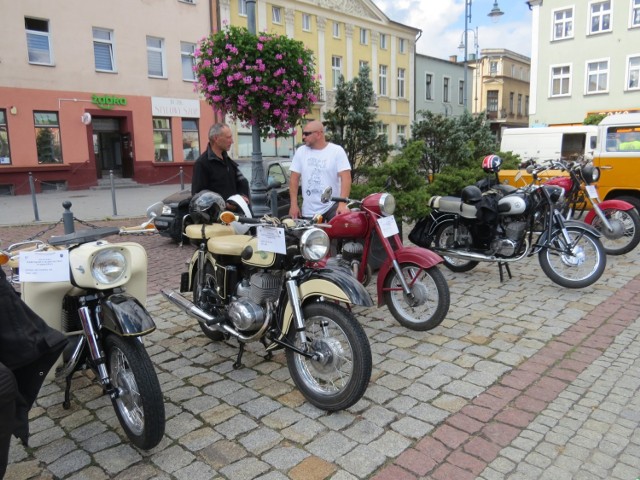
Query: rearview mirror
{"points": [[326, 195]]}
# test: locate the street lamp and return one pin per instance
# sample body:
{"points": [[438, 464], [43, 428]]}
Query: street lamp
{"points": [[476, 42], [258, 187], [495, 13]]}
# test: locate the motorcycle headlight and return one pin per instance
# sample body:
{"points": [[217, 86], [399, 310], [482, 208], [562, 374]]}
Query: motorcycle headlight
{"points": [[314, 244], [166, 210], [108, 266], [590, 173], [387, 204]]}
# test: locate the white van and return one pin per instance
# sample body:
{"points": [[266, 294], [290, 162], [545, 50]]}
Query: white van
{"points": [[551, 143]]}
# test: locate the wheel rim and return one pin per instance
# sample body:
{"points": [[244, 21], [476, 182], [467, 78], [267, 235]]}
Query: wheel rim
{"points": [[424, 289], [623, 229], [333, 371], [445, 241], [129, 401], [581, 265]]}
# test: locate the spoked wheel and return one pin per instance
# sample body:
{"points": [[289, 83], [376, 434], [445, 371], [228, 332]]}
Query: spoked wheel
{"points": [[139, 404], [340, 376], [428, 303], [444, 239], [199, 301], [574, 265], [624, 235]]}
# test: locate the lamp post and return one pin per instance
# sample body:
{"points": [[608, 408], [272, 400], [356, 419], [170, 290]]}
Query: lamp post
{"points": [[462, 46], [495, 13], [258, 187]]}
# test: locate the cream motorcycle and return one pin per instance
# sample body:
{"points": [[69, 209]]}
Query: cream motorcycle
{"points": [[250, 281], [94, 292]]}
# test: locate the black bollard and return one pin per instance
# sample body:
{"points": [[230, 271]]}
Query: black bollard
{"points": [[67, 218]]}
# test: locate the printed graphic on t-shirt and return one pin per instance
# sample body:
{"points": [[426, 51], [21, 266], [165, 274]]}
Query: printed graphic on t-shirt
{"points": [[316, 185]]}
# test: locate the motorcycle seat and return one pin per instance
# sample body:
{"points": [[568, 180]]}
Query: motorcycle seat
{"points": [[453, 205], [216, 230], [228, 244]]}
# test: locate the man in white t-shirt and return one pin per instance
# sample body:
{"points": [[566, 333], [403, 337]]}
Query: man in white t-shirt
{"points": [[318, 164]]}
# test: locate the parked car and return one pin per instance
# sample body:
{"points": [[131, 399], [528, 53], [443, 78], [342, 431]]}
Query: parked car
{"points": [[176, 206]]}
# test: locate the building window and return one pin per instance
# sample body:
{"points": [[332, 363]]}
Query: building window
{"points": [[162, 140], [402, 45], [188, 60], [633, 72], [598, 76], [306, 22], [519, 104], [276, 14], [563, 24], [492, 101], [48, 143], [383, 129], [511, 101], [364, 36], [383, 41], [561, 81], [382, 80], [634, 16], [38, 41], [103, 50], [445, 89], [493, 67], [461, 92], [600, 17], [155, 57], [362, 64], [401, 83], [526, 105], [5, 151], [336, 30], [336, 70], [242, 8], [401, 135], [190, 139], [428, 87]]}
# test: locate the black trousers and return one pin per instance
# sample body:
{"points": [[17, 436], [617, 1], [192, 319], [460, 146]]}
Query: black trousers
{"points": [[8, 397]]}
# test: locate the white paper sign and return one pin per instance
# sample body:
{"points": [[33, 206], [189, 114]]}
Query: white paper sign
{"points": [[592, 191], [271, 239], [388, 226], [44, 266]]}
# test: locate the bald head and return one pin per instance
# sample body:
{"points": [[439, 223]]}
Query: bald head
{"points": [[313, 135]]}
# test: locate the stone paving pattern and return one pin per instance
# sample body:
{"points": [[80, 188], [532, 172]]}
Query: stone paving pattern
{"points": [[523, 380]]}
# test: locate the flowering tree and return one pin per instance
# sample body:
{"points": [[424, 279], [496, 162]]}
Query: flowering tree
{"points": [[263, 80]]}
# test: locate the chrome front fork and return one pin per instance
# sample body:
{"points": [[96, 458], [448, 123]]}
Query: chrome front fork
{"points": [[94, 347], [294, 298]]}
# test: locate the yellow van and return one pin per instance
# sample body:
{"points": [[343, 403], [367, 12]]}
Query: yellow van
{"points": [[616, 152]]}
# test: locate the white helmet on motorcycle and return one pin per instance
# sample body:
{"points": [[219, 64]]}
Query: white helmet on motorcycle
{"points": [[491, 163], [205, 206]]}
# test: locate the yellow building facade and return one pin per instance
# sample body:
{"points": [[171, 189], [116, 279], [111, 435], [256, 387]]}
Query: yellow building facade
{"points": [[343, 34]]}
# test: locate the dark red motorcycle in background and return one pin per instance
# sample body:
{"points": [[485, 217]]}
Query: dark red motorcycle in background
{"points": [[409, 281]]}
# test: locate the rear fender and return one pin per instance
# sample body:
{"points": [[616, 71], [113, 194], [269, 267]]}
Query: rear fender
{"points": [[125, 316], [608, 205], [420, 256]]}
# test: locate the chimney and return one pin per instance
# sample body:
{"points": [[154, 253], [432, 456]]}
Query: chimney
{"points": [[453, 58]]}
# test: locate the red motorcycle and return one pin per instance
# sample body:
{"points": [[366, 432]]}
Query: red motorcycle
{"points": [[409, 281]]}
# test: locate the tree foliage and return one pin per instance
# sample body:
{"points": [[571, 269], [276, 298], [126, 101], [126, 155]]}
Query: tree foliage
{"points": [[353, 125], [594, 119]]}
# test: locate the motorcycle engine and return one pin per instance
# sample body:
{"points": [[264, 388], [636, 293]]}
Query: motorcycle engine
{"points": [[247, 312], [352, 251], [511, 234]]}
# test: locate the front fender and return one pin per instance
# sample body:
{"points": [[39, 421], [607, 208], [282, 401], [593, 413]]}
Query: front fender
{"points": [[124, 315], [422, 257], [608, 205], [571, 223]]}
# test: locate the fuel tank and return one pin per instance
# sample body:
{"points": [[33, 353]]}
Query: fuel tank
{"points": [[348, 225]]}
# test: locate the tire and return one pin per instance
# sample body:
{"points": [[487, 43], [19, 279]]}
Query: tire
{"points": [[626, 230], [444, 239], [210, 332], [140, 406], [343, 379], [632, 200], [568, 270], [431, 294]]}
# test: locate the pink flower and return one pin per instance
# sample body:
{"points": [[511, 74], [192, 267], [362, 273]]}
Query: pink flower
{"points": [[259, 46]]}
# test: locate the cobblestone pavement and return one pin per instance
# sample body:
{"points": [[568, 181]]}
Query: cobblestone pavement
{"points": [[523, 380]]}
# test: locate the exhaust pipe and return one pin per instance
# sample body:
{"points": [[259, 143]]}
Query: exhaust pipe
{"points": [[209, 320], [478, 257]]}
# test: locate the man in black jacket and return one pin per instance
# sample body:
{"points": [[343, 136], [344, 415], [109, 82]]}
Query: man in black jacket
{"points": [[214, 170], [28, 350]]}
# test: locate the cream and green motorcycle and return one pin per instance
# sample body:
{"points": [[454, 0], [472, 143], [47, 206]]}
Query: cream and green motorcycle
{"points": [[250, 281]]}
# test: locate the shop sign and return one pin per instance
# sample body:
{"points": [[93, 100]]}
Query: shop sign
{"points": [[107, 102], [175, 107]]}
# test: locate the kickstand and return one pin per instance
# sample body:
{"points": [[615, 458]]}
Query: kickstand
{"points": [[238, 362], [506, 267], [67, 393]]}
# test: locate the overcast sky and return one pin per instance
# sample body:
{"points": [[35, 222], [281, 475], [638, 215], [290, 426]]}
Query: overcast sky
{"points": [[442, 24]]}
